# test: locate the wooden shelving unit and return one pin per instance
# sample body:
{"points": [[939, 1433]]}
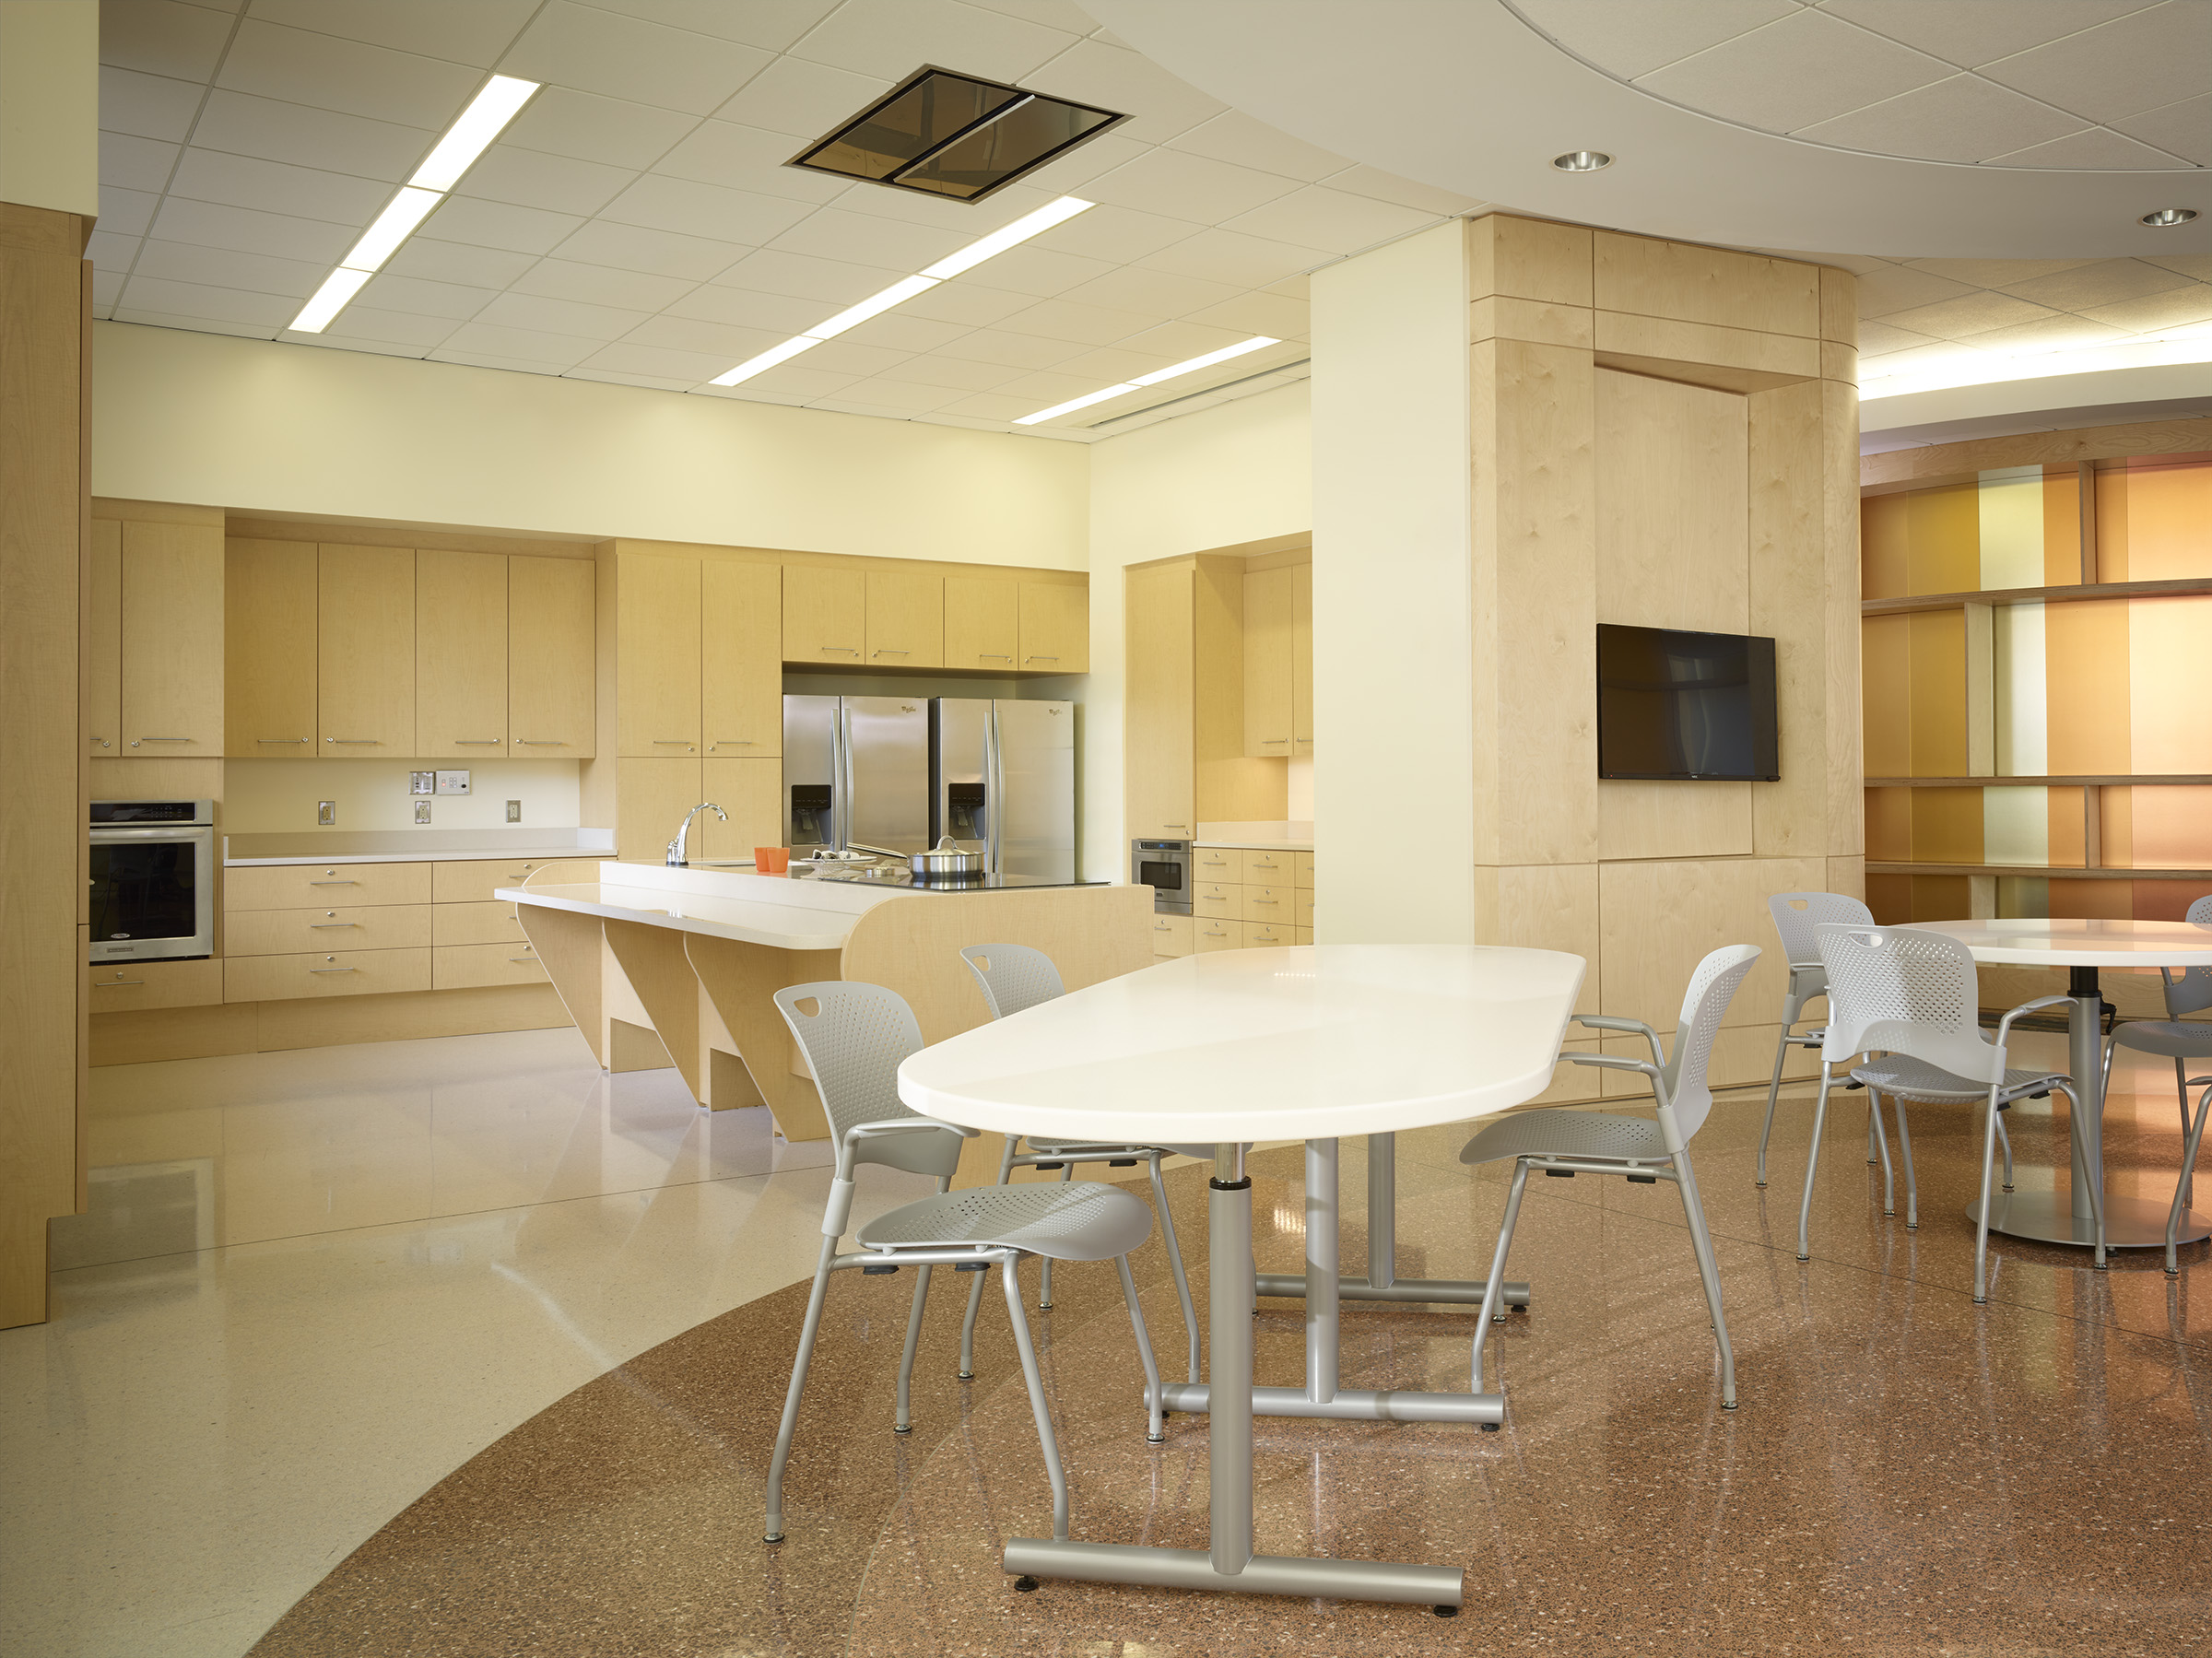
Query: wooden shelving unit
{"points": [[2072, 872], [2112, 780], [2066, 593]]}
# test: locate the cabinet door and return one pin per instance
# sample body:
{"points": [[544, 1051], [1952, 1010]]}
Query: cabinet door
{"points": [[552, 697], [1157, 736], [1267, 693], [741, 661], [1055, 628], [825, 614], [461, 654], [269, 650], [656, 657], [651, 798], [982, 622], [172, 639], [1301, 659], [365, 651], [906, 619], [751, 792], [103, 723]]}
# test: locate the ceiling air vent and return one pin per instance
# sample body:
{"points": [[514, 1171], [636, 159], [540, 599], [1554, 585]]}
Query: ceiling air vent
{"points": [[957, 135]]}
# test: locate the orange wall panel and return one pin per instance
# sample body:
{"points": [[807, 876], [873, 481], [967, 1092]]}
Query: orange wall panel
{"points": [[2171, 828], [1937, 694], [2068, 829], [1886, 694], [1941, 897], [2154, 522], [2099, 901], [1890, 899], [1890, 825], [2061, 527], [1947, 825], [2088, 672], [2169, 683], [2165, 900]]}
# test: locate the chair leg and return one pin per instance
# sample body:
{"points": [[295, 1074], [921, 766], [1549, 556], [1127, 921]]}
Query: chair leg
{"points": [[1781, 1052], [2180, 1200], [1708, 1269], [1881, 1139], [781, 1455], [1035, 1381], [1904, 1152], [1154, 1432], [975, 1290], [1873, 1124], [2005, 1146], [1989, 1157], [905, 1423], [1812, 1166], [1183, 1281], [1492, 1289], [1044, 1275], [2181, 1090]]}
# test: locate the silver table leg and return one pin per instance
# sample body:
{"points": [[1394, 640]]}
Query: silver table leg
{"points": [[1229, 1563]]}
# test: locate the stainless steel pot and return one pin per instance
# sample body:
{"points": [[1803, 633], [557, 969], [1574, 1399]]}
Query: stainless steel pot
{"points": [[946, 859]]}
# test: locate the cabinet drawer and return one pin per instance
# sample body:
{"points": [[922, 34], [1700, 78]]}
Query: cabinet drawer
{"points": [[1304, 914], [467, 965], [128, 986], [1305, 869], [1209, 934], [1171, 936], [1305, 934], [301, 931], [325, 886], [337, 974], [1269, 868], [1277, 905], [474, 881], [1217, 864], [1220, 900], [1260, 934], [493, 921]]}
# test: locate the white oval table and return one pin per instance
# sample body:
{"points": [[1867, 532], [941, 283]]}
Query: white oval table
{"points": [[2083, 947], [1235, 1046]]}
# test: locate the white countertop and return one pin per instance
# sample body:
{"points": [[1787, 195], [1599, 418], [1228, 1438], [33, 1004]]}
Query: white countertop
{"points": [[1312, 1043], [723, 903], [1264, 835], [419, 846], [2062, 942]]}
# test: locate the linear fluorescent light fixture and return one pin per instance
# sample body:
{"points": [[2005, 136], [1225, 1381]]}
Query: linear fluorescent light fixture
{"points": [[1006, 235], [1189, 367], [472, 132]]}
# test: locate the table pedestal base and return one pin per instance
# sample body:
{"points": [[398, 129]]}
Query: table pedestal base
{"points": [[2047, 1216], [1261, 1574], [1355, 1404]]}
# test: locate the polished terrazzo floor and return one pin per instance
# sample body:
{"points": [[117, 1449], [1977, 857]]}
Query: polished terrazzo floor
{"points": [[1909, 1473]]}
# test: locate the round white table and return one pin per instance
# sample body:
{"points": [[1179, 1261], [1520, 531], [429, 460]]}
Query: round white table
{"points": [[2083, 947], [1232, 1047]]}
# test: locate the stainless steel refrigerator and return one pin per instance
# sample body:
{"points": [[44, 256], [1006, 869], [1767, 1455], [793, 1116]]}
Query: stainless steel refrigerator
{"points": [[856, 772], [1002, 782]]}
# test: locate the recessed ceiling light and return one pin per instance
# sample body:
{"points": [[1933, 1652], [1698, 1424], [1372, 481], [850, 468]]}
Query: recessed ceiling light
{"points": [[1582, 161], [2168, 216], [1189, 366]]}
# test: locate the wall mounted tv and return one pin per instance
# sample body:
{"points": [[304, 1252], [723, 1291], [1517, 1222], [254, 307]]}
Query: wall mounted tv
{"points": [[1695, 706]]}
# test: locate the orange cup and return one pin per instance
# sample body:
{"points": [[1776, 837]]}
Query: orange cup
{"points": [[771, 860]]}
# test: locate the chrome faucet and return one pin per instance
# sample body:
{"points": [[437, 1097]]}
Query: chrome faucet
{"points": [[676, 847]]}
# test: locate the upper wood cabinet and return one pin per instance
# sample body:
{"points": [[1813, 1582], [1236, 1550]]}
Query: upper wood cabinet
{"points": [[365, 651], [171, 639], [906, 619], [1301, 659], [741, 661], [552, 695], [982, 622], [1055, 628], [460, 655], [751, 792], [1158, 729], [1268, 688], [102, 716], [657, 656], [825, 614], [269, 650]]}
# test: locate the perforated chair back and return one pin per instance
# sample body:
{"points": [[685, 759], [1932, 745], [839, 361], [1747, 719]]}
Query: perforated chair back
{"points": [[1798, 916], [1704, 1005], [853, 1042], [2190, 990], [1013, 976], [1909, 992]]}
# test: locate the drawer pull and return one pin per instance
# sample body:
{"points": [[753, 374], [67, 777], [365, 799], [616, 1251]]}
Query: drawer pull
{"points": [[849, 650], [886, 650], [541, 742], [333, 883], [136, 741], [735, 742], [112, 984], [284, 739], [355, 742], [478, 742], [522, 958], [318, 927], [1265, 741], [1267, 901], [992, 655], [1045, 659], [333, 969]]}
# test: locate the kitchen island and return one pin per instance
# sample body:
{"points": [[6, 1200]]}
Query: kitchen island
{"points": [[662, 966]]}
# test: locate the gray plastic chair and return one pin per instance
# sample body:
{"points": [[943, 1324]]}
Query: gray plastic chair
{"points": [[853, 1042], [2188, 1174], [1570, 1143], [1796, 914], [1015, 977], [2177, 1039], [1913, 995]]}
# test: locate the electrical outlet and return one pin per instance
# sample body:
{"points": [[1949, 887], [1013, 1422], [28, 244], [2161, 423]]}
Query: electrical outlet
{"points": [[453, 783], [326, 812], [422, 811], [514, 811], [422, 783]]}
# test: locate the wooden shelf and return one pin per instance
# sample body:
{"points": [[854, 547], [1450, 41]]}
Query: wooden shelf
{"points": [[2179, 587], [2117, 780], [2042, 872]]}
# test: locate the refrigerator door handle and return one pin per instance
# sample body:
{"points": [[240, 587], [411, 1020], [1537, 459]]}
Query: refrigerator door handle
{"points": [[840, 771], [994, 798]]}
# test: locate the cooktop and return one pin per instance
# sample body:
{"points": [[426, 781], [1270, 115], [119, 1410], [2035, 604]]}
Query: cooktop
{"points": [[887, 875]]}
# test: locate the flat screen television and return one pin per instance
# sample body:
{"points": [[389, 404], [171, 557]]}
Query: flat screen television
{"points": [[1694, 706]]}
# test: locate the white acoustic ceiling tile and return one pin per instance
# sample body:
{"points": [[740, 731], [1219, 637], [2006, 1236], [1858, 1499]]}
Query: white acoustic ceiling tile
{"points": [[1962, 119], [1112, 77], [599, 285], [609, 377], [803, 98], [775, 316], [511, 310], [893, 38], [127, 212], [414, 296], [834, 282], [526, 345], [1065, 320], [842, 357], [532, 178], [1053, 14], [908, 397], [162, 319], [2050, 333], [473, 33], [1179, 342], [426, 256], [896, 331], [1160, 293], [2195, 266], [2182, 129], [135, 163], [1240, 260], [1300, 287], [790, 381], [1067, 174], [678, 368], [1111, 364], [2143, 61], [200, 299], [1628, 38], [450, 353], [963, 302], [2092, 150], [968, 220], [1876, 338], [1972, 32], [663, 252], [274, 131], [111, 251], [1969, 313], [227, 267], [994, 406], [147, 106], [365, 323], [1318, 217], [861, 239], [1248, 314], [571, 45], [1043, 390], [1918, 356], [1801, 69], [715, 342], [1116, 234], [752, 158], [2176, 309], [772, 24], [957, 374], [1235, 137], [1010, 350], [213, 226], [162, 37], [1389, 187], [1992, 273], [501, 225], [1039, 272], [209, 175], [107, 288], [690, 208], [351, 76], [562, 121], [1899, 287], [842, 405], [2107, 282]]}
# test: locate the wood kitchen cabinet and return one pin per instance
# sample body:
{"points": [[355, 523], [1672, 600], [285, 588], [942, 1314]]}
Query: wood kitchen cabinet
{"points": [[101, 722], [269, 604], [1055, 628], [1267, 688], [552, 697], [906, 619], [751, 792], [365, 651], [1158, 733], [657, 657], [982, 622], [1301, 659], [460, 655], [171, 641], [825, 614], [651, 798], [741, 660]]}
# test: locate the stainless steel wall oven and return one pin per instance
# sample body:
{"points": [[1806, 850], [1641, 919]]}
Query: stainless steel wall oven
{"points": [[153, 879], [1165, 866]]}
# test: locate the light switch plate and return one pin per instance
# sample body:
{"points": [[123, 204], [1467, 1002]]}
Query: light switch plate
{"points": [[453, 783], [514, 811], [422, 783], [422, 811], [326, 812]]}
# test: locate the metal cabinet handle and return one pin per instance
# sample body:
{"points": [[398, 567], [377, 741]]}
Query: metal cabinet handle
{"points": [[284, 739], [734, 743], [1175, 826], [672, 742], [112, 983], [1267, 901], [478, 742], [1265, 741], [1044, 659], [541, 742], [522, 958], [356, 742], [333, 969], [90, 738], [136, 741], [333, 883], [994, 655], [853, 649], [887, 651], [323, 926]]}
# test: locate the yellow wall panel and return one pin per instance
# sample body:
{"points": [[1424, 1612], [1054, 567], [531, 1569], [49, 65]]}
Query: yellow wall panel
{"points": [[2170, 684], [1890, 825], [1947, 826], [1937, 716], [1886, 681], [1924, 541]]}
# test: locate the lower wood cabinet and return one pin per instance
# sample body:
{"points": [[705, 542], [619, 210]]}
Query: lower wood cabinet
{"points": [[325, 886], [1210, 935], [1260, 909], [135, 987], [331, 973], [294, 931], [1171, 935], [474, 881], [471, 966], [1271, 905], [494, 921], [1218, 901], [1260, 936]]}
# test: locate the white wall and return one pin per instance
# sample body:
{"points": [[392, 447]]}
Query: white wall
{"points": [[279, 796], [50, 104], [285, 429]]}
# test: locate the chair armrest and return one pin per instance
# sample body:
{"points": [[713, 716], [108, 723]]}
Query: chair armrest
{"points": [[907, 1125], [1606, 1062], [1601, 1021], [2004, 1024]]}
